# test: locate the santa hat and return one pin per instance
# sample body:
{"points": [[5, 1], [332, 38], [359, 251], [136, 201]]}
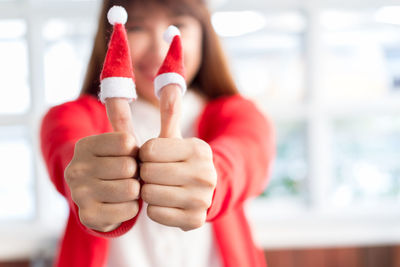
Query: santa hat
{"points": [[117, 78], [172, 70]]}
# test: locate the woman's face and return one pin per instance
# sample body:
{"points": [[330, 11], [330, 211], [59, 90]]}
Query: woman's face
{"points": [[145, 28]]}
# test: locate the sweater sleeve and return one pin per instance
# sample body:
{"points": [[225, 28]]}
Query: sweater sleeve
{"points": [[61, 127], [242, 142]]}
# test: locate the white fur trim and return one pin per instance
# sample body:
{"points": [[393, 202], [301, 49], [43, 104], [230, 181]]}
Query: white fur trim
{"points": [[117, 87], [117, 14], [170, 33], [168, 78]]}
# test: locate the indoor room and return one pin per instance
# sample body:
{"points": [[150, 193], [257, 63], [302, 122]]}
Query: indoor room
{"points": [[302, 169]]}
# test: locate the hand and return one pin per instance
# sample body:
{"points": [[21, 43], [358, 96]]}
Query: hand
{"points": [[179, 174], [101, 173]]}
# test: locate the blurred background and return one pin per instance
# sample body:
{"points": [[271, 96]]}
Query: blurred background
{"points": [[327, 72]]}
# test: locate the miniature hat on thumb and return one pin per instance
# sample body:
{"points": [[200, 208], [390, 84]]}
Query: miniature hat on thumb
{"points": [[117, 78], [172, 70]]}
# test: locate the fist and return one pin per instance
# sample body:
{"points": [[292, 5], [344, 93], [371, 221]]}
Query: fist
{"points": [[102, 173], [101, 180], [179, 175], [180, 179]]}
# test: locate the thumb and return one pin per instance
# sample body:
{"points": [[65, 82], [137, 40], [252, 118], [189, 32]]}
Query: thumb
{"points": [[119, 114], [171, 111]]}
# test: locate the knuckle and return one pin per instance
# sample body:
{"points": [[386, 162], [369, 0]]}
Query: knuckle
{"points": [[75, 197], [198, 179], [196, 220], [133, 189], [74, 171], [67, 175], [145, 193], [203, 181], [134, 209], [126, 141], [103, 228], [152, 212], [212, 178], [82, 145], [105, 224], [88, 218], [199, 202], [209, 201], [77, 171], [207, 177], [146, 151], [201, 149], [79, 195], [128, 167], [144, 171]]}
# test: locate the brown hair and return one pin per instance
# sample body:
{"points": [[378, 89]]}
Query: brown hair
{"points": [[213, 78]]}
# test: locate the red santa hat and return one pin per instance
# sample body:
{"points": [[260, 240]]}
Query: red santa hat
{"points": [[117, 78], [172, 70]]}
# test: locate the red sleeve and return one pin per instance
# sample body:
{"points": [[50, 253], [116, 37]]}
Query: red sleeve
{"points": [[61, 127], [242, 141]]}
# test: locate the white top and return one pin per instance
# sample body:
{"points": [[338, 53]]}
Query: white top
{"points": [[150, 244]]}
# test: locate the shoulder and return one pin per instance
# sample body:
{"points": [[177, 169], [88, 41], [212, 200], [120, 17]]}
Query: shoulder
{"points": [[231, 106], [232, 112], [86, 108], [81, 104]]}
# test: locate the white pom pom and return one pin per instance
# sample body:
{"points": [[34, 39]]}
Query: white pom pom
{"points": [[117, 14], [170, 33]]}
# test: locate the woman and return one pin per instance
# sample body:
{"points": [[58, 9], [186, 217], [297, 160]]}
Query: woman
{"points": [[197, 184]]}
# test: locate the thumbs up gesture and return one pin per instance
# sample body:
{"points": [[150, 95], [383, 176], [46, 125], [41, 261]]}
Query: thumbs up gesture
{"points": [[179, 175], [101, 174]]}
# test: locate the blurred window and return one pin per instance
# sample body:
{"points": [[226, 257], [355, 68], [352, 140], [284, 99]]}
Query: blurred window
{"points": [[265, 53], [360, 71], [17, 187], [265, 49], [60, 49], [361, 57], [366, 160], [289, 172], [14, 87], [67, 47]]}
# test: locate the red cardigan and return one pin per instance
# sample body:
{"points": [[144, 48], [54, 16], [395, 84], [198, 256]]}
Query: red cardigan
{"points": [[242, 142]]}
